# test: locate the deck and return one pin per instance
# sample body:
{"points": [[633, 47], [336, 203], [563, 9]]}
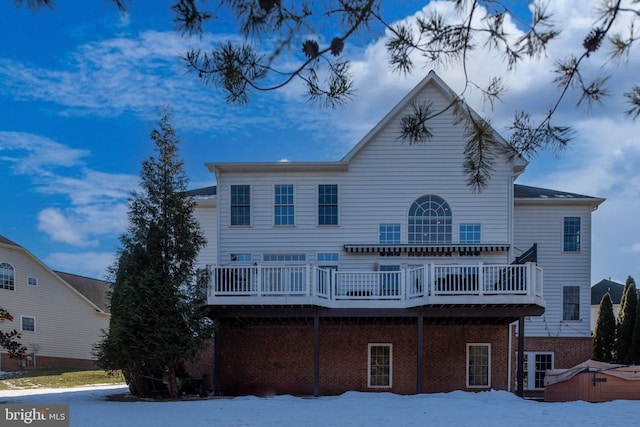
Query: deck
{"points": [[430, 284]]}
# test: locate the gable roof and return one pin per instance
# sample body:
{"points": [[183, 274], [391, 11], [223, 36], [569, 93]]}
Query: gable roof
{"points": [[6, 241], [92, 291], [519, 163], [431, 79], [95, 290], [598, 290]]}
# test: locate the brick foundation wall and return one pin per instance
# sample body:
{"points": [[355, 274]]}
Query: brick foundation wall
{"points": [[568, 352], [8, 364], [278, 359]]}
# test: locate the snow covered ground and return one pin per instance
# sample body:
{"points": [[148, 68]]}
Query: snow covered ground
{"points": [[88, 408]]}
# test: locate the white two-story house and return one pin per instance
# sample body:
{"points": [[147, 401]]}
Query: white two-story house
{"points": [[385, 271]]}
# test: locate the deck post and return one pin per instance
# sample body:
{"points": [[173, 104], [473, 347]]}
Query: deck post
{"points": [[216, 362], [420, 340], [520, 373], [316, 355]]}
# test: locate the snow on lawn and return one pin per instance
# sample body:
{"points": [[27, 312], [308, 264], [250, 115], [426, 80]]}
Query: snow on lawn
{"points": [[88, 408]]}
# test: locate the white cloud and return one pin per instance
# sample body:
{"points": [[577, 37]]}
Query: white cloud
{"points": [[95, 201]]}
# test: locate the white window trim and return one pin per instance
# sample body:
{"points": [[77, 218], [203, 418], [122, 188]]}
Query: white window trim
{"points": [[531, 367], [579, 319], [339, 189], [369, 385], [273, 213], [579, 251], [34, 278], [35, 325], [251, 209], [478, 344], [14, 277]]}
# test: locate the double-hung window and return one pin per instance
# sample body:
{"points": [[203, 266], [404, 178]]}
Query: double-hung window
{"points": [[328, 204], [283, 208], [571, 234], [571, 303], [240, 205]]}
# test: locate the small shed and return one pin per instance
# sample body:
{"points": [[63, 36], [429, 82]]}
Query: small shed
{"points": [[593, 381]]}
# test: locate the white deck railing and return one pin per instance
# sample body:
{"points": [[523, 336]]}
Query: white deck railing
{"points": [[306, 284]]}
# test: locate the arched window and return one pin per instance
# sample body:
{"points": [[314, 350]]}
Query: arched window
{"points": [[430, 220], [7, 276]]}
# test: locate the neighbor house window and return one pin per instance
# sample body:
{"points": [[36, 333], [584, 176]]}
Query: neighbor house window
{"points": [[7, 276], [469, 233], [571, 303], [430, 220], [478, 365], [571, 234], [389, 233], [380, 365], [535, 367], [328, 204], [240, 205], [283, 209], [27, 323], [33, 281]]}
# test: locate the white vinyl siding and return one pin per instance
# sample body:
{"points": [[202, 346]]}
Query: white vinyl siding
{"points": [[66, 324], [367, 197], [206, 213], [541, 222]]}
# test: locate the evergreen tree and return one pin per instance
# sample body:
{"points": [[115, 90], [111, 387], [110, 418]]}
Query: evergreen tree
{"points": [[9, 340], [157, 311], [604, 337], [626, 320], [634, 351]]}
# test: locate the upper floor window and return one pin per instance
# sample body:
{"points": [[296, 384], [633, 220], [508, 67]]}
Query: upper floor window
{"points": [[430, 220], [571, 234], [571, 303], [283, 205], [33, 281], [7, 276], [389, 233], [469, 233], [240, 205], [327, 204]]}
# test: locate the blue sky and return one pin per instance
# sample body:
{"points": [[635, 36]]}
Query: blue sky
{"points": [[80, 87]]}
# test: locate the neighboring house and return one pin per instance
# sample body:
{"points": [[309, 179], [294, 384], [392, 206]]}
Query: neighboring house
{"points": [[598, 290], [385, 271], [60, 316]]}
